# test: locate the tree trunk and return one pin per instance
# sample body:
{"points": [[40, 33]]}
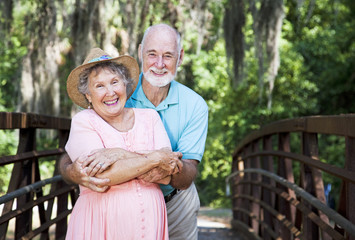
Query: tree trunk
{"points": [[5, 18], [258, 42], [39, 81], [84, 18], [234, 22], [271, 15], [136, 14]]}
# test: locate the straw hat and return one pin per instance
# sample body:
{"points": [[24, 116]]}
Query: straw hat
{"points": [[97, 55]]}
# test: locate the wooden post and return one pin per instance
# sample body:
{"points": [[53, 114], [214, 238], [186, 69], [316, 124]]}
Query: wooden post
{"points": [[246, 187], [309, 148], [350, 187], [285, 170], [27, 143], [62, 200], [267, 196], [255, 190]]}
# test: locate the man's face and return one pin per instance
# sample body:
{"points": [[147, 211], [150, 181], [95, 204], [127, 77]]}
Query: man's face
{"points": [[160, 58]]}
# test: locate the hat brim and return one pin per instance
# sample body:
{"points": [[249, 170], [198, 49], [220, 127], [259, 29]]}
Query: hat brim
{"points": [[73, 79]]}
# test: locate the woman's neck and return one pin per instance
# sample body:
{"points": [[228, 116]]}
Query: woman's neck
{"points": [[123, 122]]}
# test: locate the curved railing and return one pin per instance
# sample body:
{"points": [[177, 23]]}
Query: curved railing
{"points": [[277, 181], [28, 209]]}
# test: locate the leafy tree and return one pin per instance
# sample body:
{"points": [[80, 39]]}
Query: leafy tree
{"points": [[230, 48]]}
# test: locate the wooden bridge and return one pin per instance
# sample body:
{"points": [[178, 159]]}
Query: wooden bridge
{"points": [[276, 185]]}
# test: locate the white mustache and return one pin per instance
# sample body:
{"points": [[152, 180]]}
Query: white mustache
{"points": [[158, 71]]}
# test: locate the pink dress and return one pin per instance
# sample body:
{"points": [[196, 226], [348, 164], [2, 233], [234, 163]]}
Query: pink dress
{"points": [[131, 210]]}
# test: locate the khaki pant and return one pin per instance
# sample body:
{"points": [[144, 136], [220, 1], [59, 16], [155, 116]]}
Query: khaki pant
{"points": [[182, 214]]}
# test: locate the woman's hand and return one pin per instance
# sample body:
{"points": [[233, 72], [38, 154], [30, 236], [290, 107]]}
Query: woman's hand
{"points": [[77, 174], [99, 160]]}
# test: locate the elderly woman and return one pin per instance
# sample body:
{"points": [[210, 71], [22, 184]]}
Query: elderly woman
{"points": [[131, 208]]}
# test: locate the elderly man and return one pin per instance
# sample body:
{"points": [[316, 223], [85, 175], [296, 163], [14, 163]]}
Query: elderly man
{"points": [[185, 117]]}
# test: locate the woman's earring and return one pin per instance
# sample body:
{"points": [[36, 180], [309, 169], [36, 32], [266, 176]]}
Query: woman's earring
{"points": [[89, 105]]}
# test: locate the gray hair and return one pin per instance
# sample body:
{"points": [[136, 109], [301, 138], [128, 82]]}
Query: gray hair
{"points": [[119, 69], [178, 36]]}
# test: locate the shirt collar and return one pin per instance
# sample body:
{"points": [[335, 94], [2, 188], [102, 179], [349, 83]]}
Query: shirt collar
{"points": [[172, 97]]}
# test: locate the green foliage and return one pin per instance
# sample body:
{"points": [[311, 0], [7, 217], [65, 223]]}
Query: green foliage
{"points": [[8, 146], [316, 74], [10, 59], [47, 140], [332, 152]]}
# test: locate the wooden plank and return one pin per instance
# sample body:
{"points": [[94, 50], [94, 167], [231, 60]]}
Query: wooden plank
{"points": [[267, 195], [341, 173], [246, 188], [341, 125], [19, 157], [285, 170], [309, 148], [235, 187], [28, 206], [27, 143], [12, 120], [255, 189], [350, 195]]}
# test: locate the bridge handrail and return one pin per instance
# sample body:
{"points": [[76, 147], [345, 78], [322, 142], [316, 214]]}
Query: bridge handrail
{"points": [[29, 188], [256, 194], [26, 188], [332, 214], [341, 125]]}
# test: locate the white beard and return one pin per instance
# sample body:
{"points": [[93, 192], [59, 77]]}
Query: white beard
{"points": [[158, 81]]}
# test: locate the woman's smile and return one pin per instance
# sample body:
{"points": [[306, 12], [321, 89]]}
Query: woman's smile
{"points": [[107, 94], [111, 103]]}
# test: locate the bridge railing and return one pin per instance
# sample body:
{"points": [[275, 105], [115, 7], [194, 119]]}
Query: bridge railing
{"points": [[278, 176], [33, 205]]}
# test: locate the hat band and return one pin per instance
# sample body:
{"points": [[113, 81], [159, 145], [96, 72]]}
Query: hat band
{"points": [[103, 57]]}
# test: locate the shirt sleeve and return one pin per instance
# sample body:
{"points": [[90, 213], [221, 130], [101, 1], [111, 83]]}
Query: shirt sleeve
{"points": [[161, 138], [83, 137], [193, 137]]}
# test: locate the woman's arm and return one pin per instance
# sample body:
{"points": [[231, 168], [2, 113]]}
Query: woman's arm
{"points": [[126, 169]]}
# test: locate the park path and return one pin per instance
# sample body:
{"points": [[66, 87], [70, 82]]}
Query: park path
{"points": [[214, 225], [210, 233]]}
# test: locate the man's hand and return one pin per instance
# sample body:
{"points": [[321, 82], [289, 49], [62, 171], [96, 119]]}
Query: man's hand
{"points": [[163, 176], [168, 160], [74, 172]]}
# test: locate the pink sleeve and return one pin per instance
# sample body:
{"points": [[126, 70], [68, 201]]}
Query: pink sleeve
{"points": [[161, 138], [83, 137]]}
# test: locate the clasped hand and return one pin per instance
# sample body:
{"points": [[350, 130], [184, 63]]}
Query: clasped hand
{"points": [[168, 162]]}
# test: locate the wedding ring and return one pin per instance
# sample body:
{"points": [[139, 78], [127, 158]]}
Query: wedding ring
{"points": [[101, 164]]}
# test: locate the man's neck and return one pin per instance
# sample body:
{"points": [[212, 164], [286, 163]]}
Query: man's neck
{"points": [[155, 94]]}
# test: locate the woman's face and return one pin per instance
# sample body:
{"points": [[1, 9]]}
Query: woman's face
{"points": [[107, 93]]}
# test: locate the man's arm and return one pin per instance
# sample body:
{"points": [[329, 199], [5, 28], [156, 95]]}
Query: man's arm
{"points": [[184, 178]]}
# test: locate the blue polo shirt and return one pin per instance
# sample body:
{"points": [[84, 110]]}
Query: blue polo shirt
{"points": [[185, 116]]}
